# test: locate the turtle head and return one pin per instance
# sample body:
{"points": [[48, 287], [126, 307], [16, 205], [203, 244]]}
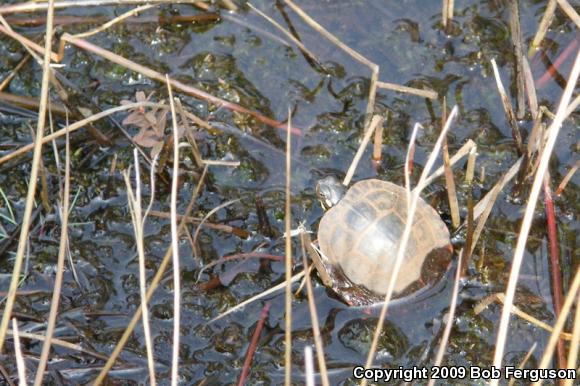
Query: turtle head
{"points": [[329, 191]]}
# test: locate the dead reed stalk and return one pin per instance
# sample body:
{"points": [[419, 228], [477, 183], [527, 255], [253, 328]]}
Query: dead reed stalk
{"points": [[288, 247], [175, 243], [62, 250], [37, 154]]}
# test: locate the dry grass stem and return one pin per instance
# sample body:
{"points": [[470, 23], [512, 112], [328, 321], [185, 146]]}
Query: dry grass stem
{"points": [[333, 39], [210, 162], [470, 170], [573, 106], [425, 93], [516, 36], [189, 135], [62, 250], [75, 126], [447, 12], [500, 297], [175, 243], [223, 259], [553, 131], [288, 250], [190, 90], [450, 318], [309, 366], [486, 203], [298, 43], [20, 365], [376, 121], [543, 27], [204, 219], [575, 344], [134, 201], [6, 376], [547, 357], [220, 227], [114, 21], [36, 6], [524, 361], [483, 208], [530, 87], [61, 343], [412, 206], [259, 296], [28, 44], [151, 290], [355, 55], [567, 178], [37, 154], [31, 103], [450, 185], [509, 111], [462, 152], [6, 81], [570, 11], [304, 241], [378, 143]]}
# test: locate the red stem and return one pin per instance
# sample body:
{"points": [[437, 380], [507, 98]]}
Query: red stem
{"points": [[253, 344], [555, 265]]}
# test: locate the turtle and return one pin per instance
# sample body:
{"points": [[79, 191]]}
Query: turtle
{"points": [[358, 238]]}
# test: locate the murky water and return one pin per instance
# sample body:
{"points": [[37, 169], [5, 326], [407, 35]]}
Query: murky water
{"points": [[243, 59]]}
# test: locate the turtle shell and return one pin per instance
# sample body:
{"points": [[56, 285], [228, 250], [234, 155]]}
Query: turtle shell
{"points": [[360, 235]]}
